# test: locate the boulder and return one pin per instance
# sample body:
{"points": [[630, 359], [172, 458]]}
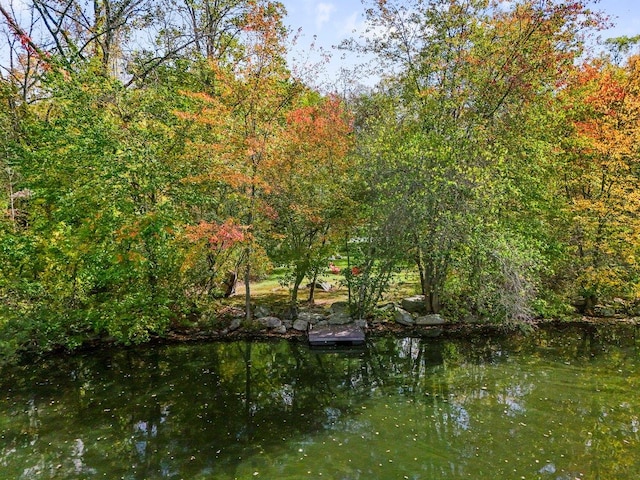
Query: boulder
{"points": [[434, 319], [235, 324], [301, 325], [415, 304], [383, 307], [339, 307], [281, 329], [433, 332], [311, 317], [261, 311], [361, 323], [339, 318], [403, 317], [270, 322], [290, 313]]}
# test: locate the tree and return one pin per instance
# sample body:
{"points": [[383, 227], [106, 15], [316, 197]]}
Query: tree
{"points": [[464, 73], [602, 104], [244, 112], [308, 188], [97, 252]]}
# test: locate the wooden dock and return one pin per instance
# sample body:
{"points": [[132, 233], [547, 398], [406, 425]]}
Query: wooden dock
{"points": [[333, 335]]}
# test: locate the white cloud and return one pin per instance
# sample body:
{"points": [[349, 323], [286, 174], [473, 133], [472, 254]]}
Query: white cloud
{"points": [[323, 13]]}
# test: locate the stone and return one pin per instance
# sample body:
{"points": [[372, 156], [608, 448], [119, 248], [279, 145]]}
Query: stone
{"points": [[383, 307], [290, 313], [434, 319], [415, 304], [235, 324], [403, 317], [360, 323], [339, 318], [339, 307], [301, 325], [270, 322], [281, 329], [261, 311], [311, 317]]}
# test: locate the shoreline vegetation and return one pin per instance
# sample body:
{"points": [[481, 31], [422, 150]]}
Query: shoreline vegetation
{"points": [[232, 326]]}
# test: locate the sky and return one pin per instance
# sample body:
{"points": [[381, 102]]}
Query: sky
{"points": [[328, 22]]}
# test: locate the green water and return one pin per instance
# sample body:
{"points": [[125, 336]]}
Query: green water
{"points": [[558, 404]]}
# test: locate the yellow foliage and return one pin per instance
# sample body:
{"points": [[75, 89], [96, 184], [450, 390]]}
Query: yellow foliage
{"points": [[601, 181]]}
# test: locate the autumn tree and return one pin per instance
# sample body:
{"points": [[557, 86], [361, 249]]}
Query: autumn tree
{"points": [[244, 113], [97, 250], [308, 194], [602, 103], [463, 73]]}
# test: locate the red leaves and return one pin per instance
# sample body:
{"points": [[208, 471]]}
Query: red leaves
{"points": [[218, 236], [25, 40], [324, 126]]}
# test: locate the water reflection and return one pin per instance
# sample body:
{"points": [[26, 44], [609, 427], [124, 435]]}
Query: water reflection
{"points": [[557, 404]]}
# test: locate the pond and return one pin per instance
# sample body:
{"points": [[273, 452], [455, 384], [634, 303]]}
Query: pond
{"points": [[557, 404]]}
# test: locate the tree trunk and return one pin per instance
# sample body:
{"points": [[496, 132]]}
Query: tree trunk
{"points": [[312, 289], [247, 287], [294, 292], [230, 283], [430, 286]]}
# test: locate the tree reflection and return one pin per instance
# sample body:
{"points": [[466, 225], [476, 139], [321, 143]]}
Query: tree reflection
{"points": [[214, 411]]}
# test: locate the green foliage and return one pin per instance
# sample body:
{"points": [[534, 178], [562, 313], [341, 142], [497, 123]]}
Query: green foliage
{"points": [[464, 146], [502, 174], [96, 252]]}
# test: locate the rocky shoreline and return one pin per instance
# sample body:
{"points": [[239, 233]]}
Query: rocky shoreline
{"points": [[406, 317]]}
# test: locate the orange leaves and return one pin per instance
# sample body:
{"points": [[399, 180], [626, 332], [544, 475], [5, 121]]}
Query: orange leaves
{"points": [[262, 16], [266, 155], [213, 111], [603, 107], [321, 129], [264, 40], [328, 115], [606, 108], [312, 215], [217, 236]]}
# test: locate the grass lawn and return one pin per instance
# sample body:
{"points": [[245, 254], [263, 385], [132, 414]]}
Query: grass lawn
{"points": [[271, 292]]}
